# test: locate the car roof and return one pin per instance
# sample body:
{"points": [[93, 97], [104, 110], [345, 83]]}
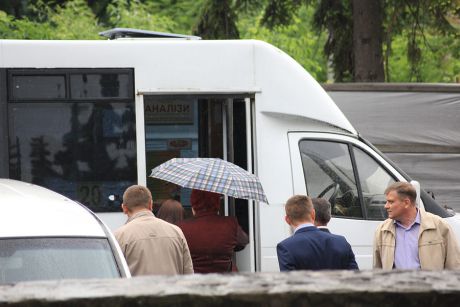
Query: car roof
{"points": [[29, 210]]}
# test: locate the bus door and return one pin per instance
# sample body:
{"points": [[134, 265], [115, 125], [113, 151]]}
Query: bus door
{"points": [[190, 126]]}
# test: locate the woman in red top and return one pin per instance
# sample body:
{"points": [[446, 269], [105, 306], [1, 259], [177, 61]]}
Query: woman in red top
{"points": [[212, 239]]}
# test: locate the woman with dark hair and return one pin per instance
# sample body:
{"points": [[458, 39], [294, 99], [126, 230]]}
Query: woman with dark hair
{"points": [[171, 211], [212, 239]]}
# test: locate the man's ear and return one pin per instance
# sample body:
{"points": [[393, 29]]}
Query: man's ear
{"points": [[150, 207], [288, 220], [313, 216], [125, 209], [406, 202]]}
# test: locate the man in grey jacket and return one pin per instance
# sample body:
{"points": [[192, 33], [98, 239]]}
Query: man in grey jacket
{"points": [[151, 246]]}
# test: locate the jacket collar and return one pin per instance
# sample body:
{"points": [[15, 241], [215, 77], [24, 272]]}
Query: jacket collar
{"points": [[139, 214], [205, 213], [426, 222], [389, 226], [305, 229]]}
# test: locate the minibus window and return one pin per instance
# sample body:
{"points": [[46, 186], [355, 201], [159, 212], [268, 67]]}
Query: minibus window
{"points": [[85, 151], [38, 87], [73, 131], [373, 182], [329, 173], [101, 85]]}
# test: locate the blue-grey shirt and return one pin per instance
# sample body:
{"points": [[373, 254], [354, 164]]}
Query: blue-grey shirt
{"points": [[406, 250]]}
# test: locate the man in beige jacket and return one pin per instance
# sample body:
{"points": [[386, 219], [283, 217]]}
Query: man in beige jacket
{"points": [[151, 246], [412, 238]]}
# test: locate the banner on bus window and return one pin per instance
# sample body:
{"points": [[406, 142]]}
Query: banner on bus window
{"points": [[168, 111]]}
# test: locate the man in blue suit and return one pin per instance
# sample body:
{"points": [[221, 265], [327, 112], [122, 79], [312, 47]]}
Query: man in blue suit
{"points": [[309, 248]]}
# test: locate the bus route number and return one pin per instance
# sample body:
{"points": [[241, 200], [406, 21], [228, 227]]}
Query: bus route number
{"points": [[89, 194]]}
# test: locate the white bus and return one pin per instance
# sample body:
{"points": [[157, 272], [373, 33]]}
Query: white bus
{"points": [[89, 118]]}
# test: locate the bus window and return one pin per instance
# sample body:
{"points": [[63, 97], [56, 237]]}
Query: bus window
{"points": [[83, 147], [329, 173]]}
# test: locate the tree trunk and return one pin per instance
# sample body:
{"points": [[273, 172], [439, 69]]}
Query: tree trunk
{"points": [[217, 20], [367, 41]]}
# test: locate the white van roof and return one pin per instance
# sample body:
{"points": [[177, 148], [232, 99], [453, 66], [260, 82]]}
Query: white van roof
{"points": [[29, 210], [282, 87]]}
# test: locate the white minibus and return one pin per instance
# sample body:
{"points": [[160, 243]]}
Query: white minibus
{"points": [[89, 118]]}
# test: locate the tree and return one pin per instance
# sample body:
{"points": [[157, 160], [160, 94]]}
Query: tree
{"points": [[39, 158], [15, 166], [367, 41], [135, 14], [217, 20], [419, 22], [76, 20], [363, 21], [413, 40], [298, 39]]}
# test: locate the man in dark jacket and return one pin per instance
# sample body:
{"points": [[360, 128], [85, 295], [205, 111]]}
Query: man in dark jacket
{"points": [[309, 248]]}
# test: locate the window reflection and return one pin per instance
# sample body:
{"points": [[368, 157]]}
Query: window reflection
{"points": [[38, 87], [100, 85], [329, 173], [171, 131], [86, 151], [374, 180]]}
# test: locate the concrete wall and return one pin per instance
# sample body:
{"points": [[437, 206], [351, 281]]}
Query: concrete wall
{"points": [[333, 288]]}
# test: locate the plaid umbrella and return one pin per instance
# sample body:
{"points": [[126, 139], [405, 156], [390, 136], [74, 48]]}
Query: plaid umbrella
{"points": [[213, 175]]}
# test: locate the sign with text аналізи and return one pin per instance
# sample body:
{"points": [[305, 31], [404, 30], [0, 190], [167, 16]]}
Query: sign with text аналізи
{"points": [[168, 111]]}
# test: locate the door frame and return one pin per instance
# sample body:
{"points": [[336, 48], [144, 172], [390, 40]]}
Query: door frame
{"points": [[250, 251]]}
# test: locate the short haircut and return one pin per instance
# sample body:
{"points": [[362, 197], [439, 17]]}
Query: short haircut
{"points": [[299, 207], [322, 210], [137, 196], [403, 189]]}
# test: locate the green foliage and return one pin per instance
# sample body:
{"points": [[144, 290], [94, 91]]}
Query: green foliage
{"points": [[298, 39], [279, 12], [135, 14], [336, 17], [437, 63], [184, 13], [11, 28], [419, 31], [217, 21], [76, 20], [417, 21], [421, 43], [72, 21]]}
